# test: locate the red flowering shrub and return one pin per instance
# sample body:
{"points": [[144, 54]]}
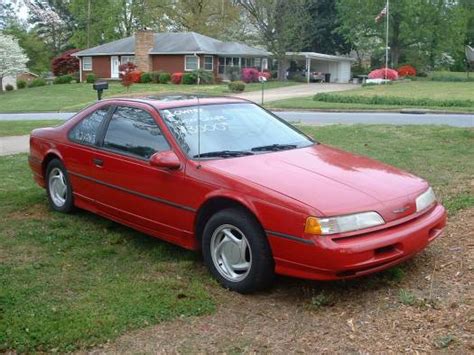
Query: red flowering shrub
{"points": [[249, 75], [65, 63], [129, 74], [135, 76], [177, 78], [380, 74], [406, 70]]}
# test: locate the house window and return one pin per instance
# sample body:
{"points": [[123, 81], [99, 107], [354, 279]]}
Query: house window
{"points": [[258, 63], [87, 63], [127, 58], [208, 62], [190, 63], [236, 62]]}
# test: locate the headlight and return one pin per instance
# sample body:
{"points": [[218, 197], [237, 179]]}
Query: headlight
{"points": [[341, 224], [425, 200]]}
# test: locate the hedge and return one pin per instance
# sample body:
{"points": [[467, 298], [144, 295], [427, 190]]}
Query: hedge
{"points": [[390, 100], [450, 78]]}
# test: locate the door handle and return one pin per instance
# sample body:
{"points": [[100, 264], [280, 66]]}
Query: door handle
{"points": [[98, 162]]}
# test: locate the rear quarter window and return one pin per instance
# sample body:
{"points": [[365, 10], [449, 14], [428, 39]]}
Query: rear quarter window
{"points": [[85, 132]]}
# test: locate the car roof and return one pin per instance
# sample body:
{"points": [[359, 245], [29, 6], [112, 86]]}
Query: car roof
{"points": [[165, 101]]}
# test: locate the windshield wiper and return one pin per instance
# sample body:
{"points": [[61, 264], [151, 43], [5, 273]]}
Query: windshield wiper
{"points": [[273, 147], [223, 154]]}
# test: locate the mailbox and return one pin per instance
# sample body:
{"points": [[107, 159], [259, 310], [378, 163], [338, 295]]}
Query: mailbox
{"points": [[100, 86]]}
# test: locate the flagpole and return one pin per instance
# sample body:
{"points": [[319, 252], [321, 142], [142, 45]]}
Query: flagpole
{"points": [[386, 40]]}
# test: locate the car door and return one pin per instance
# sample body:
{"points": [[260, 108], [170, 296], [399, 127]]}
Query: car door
{"points": [[79, 152], [130, 189]]}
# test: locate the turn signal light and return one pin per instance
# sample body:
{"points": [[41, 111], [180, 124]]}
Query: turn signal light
{"points": [[312, 226]]}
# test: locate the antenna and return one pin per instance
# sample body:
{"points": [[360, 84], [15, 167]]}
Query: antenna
{"points": [[199, 126]]}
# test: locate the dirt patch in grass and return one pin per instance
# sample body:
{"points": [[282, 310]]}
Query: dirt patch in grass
{"points": [[422, 306], [37, 211]]}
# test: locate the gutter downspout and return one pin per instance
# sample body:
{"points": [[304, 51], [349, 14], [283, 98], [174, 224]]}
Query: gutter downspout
{"points": [[80, 70], [199, 67]]}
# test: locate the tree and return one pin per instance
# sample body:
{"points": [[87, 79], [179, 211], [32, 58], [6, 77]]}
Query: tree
{"points": [[323, 28], [215, 18], [282, 26], [94, 22], [420, 32], [12, 57], [52, 21], [35, 48], [65, 63], [7, 15]]}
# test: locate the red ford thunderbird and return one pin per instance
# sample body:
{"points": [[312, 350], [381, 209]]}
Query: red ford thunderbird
{"points": [[227, 177]]}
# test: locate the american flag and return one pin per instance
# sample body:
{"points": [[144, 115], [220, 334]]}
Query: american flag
{"points": [[382, 14]]}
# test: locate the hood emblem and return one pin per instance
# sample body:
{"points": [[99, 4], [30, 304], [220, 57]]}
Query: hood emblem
{"points": [[401, 210]]}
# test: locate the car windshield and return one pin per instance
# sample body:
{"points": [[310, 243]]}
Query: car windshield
{"points": [[229, 130]]}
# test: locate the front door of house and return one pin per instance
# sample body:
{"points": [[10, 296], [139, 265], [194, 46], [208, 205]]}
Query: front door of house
{"points": [[114, 67]]}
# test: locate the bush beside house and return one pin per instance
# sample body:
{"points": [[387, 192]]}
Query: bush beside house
{"points": [[164, 78], [90, 78], [189, 79], [21, 84], [177, 78], [146, 78], [63, 79]]}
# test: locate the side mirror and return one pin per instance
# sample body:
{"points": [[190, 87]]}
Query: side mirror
{"points": [[166, 159]]}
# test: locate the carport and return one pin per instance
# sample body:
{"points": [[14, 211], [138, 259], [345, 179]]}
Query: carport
{"points": [[338, 67]]}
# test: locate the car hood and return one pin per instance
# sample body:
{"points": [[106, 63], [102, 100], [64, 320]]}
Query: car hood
{"points": [[330, 180]]}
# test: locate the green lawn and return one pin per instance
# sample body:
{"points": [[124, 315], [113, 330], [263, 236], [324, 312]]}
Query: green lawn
{"points": [[17, 128], [433, 90], [73, 281], [73, 97]]}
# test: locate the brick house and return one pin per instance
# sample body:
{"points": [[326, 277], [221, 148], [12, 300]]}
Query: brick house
{"points": [[169, 52]]}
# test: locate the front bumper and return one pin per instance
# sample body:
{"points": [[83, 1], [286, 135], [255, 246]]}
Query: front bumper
{"points": [[330, 258]]}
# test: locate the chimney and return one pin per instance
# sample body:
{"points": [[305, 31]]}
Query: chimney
{"points": [[144, 42]]}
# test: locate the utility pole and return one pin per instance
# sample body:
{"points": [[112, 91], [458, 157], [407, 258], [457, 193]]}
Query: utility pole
{"points": [[386, 40]]}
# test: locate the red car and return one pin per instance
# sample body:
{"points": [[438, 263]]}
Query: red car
{"points": [[227, 177]]}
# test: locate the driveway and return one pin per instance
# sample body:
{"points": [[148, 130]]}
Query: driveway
{"points": [[14, 145], [294, 91]]}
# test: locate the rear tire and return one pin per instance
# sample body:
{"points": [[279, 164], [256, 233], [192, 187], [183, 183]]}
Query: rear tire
{"points": [[58, 187], [236, 251]]}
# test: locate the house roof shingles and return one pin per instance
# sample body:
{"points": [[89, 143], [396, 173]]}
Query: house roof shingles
{"points": [[176, 43]]}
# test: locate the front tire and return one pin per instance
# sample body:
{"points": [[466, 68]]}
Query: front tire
{"points": [[236, 251], [58, 187]]}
